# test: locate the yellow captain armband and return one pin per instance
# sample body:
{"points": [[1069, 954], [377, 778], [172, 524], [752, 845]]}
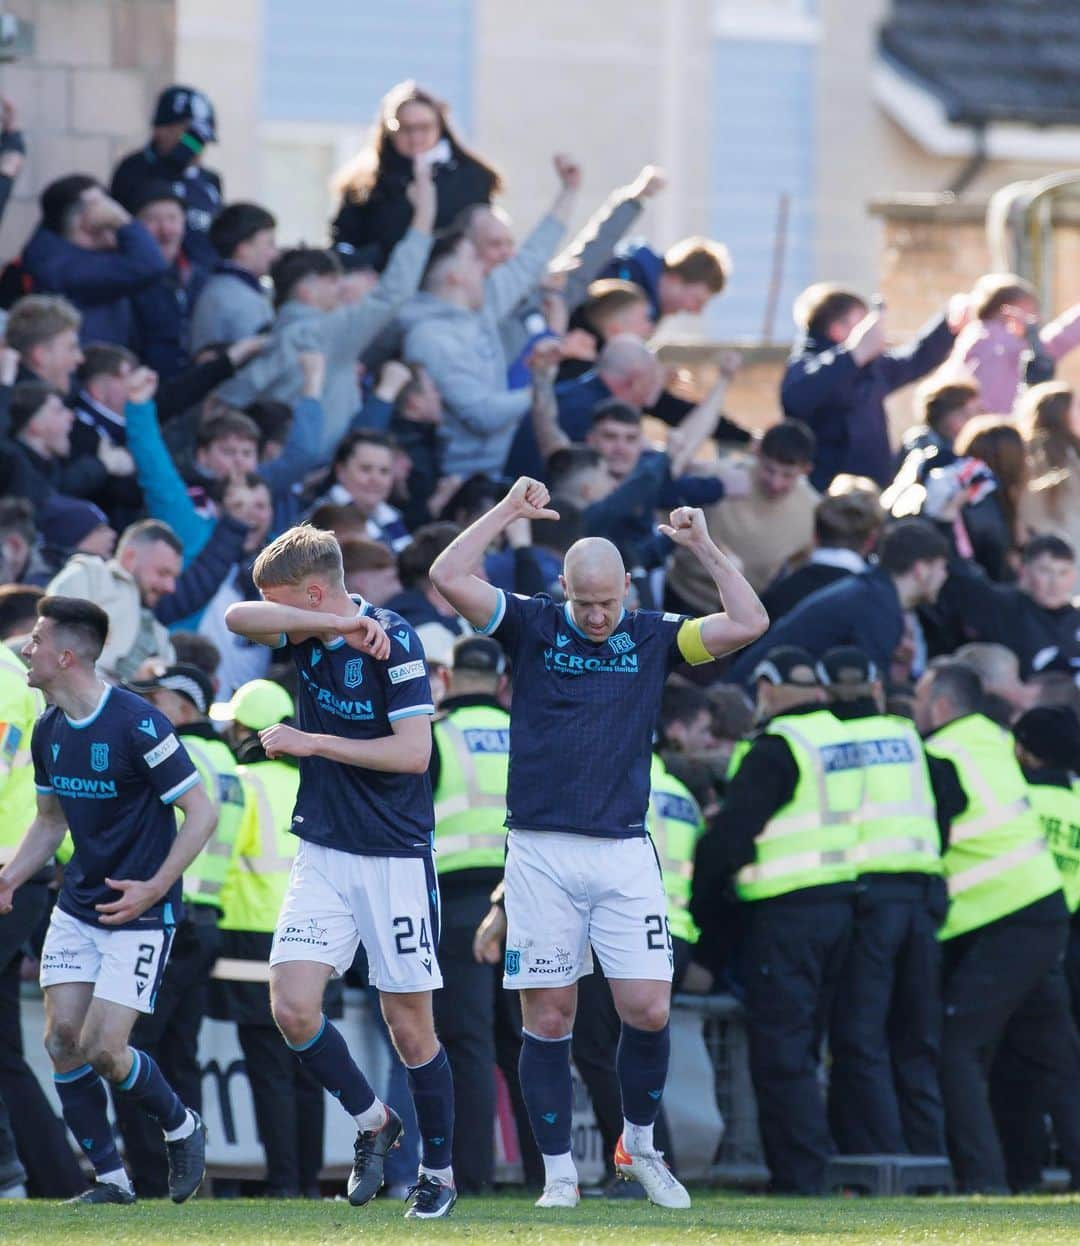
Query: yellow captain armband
{"points": [[691, 646]]}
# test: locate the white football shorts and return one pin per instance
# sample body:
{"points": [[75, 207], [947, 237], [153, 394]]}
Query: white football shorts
{"points": [[565, 892], [125, 966], [338, 900]]}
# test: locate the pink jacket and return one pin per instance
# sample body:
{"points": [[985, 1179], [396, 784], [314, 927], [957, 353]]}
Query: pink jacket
{"points": [[991, 354]]}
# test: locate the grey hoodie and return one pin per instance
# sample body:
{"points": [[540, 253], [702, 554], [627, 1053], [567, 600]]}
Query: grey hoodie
{"points": [[341, 335], [462, 352]]}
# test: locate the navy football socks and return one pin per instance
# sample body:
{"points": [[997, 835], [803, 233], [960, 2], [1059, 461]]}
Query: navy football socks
{"points": [[432, 1087], [85, 1104], [327, 1056], [641, 1063], [146, 1084], [544, 1069]]}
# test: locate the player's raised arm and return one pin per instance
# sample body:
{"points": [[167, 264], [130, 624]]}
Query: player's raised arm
{"points": [[743, 618], [40, 842], [265, 622], [454, 571]]}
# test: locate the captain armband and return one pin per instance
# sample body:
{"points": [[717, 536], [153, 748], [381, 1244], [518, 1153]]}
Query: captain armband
{"points": [[691, 645]]}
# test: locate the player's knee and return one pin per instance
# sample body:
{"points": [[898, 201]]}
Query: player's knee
{"points": [[550, 1019], [109, 1060], [62, 1044], [298, 1020], [650, 1015]]}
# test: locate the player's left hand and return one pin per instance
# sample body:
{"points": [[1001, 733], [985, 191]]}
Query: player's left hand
{"points": [[136, 896], [489, 937], [368, 636], [687, 526], [282, 741]]}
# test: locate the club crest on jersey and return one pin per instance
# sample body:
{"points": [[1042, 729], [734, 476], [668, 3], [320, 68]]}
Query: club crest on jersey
{"points": [[354, 672], [513, 963], [620, 643], [99, 757], [147, 728]]}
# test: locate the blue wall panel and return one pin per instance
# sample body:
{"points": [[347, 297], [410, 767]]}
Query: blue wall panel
{"points": [[332, 60], [763, 127]]}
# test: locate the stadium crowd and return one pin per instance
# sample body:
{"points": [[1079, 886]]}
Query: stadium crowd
{"points": [[869, 820]]}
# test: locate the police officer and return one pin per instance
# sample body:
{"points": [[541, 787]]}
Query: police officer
{"points": [[786, 830], [1047, 741], [1005, 933], [288, 1101], [183, 125], [474, 1016], [34, 1127], [885, 1033], [171, 1034]]}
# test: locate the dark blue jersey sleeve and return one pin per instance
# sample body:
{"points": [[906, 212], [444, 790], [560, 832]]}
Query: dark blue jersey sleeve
{"points": [[408, 691], [42, 777], [513, 616], [156, 751]]}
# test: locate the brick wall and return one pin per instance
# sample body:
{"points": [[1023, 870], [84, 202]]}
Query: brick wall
{"points": [[85, 92]]}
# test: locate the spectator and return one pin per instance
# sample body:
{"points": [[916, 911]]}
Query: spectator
{"points": [[764, 529], [556, 302], [44, 329], [195, 650], [420, 602], [990, 515], [1036, 618], [12, 150], [309, 318], [33, 464], [686, 720], [72, 526], [846, 529], [234, 302], [1004, 327], [412, 129], [89, 249], [20, 557], [683, 279], [163, 309], [943, 404], [183, 125], [614, 307], [452, 329], [127, 588], [999, 670], [1049, 419], [840, 374], [371, 570], [363, 475], [865, 610], [100, 429]]}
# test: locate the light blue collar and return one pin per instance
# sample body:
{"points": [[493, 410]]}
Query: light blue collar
{"points": [[569, 616], [79, 723], [365, 606]]}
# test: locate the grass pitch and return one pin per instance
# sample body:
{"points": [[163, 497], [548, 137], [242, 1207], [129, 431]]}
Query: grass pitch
{"points": [[715, 1217]]}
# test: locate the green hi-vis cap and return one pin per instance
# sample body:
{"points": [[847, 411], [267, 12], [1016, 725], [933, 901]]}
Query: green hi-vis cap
{"points": [[256, 705]]}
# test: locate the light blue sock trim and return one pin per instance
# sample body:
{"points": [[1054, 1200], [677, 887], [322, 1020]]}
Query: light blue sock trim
{"points": [[311, 1041], [537, 1038], [413, 1068], [74, 1075], [133, 1076]]}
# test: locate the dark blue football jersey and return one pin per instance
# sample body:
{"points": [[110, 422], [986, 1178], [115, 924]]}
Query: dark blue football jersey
{"points": [[116, 774], [583, 714], [343, 692]]}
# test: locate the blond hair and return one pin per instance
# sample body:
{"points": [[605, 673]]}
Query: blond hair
{"points": [[296, 555], [37, 318]]}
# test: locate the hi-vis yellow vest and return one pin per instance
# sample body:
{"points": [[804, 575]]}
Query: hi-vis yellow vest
{"points": [[470, 803], [898, 830], [809, 842], [997, 861], [258, 873], [675, 824], [20, 706], [217, 768], [1059, 812]]}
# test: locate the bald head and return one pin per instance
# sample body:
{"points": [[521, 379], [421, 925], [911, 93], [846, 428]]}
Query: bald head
{"points": [[631, 371], [594, 581]]}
